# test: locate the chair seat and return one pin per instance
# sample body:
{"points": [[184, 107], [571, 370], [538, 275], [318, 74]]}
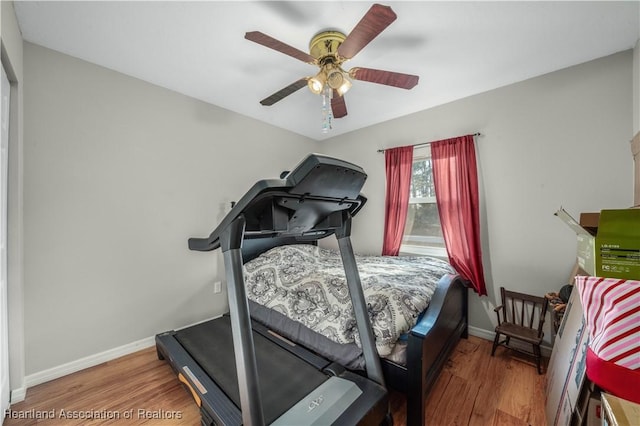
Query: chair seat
{"points": [[522, 319], [519, 332]]}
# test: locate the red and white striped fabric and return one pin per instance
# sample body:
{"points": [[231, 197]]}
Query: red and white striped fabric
{"points": [[612, 313]]}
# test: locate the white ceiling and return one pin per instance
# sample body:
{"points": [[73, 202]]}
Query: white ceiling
{"points": [[457, 48]]}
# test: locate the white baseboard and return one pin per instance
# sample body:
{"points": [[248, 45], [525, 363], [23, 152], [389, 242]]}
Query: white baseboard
{"points": [[86, 362], [18, 395], [481, 333], [53, 373], [489, 335]]}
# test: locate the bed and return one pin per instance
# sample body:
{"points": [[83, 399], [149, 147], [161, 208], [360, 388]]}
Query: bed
{"points": [[415, 330]]}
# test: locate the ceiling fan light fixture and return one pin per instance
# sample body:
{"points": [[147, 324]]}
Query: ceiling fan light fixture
{"points": [[335, 79], [338, 80], [345, 86], [316, 83]]}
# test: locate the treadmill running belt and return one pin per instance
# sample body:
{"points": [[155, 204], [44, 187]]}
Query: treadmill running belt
{"points": [[284, 378]]}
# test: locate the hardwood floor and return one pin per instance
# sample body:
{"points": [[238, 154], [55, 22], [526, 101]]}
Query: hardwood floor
{"points": [[473, 389]]}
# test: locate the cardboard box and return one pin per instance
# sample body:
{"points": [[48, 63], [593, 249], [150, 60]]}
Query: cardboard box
{"points": [[594, 411], [567, 366], [614, 252], [586, 243], [618, 244], [590, 221], [619, 412]]}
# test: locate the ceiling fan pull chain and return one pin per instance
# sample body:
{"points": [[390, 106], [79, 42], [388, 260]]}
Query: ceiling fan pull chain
{"points": [[327, 113]]}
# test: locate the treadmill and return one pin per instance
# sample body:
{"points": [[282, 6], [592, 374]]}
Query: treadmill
{"points": [[237, 370]]}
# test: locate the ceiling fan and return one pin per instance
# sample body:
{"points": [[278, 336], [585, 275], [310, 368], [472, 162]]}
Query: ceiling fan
{"points": [[329, 50]]}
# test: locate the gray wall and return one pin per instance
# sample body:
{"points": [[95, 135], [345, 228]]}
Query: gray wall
{"points": [[118, 173], [561, 139]]}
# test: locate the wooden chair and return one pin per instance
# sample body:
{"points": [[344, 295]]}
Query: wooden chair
{"points": [[522, 319]]}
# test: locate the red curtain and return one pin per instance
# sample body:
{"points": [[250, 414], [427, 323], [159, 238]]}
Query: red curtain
{"points": [[398, 164], [456, 184]]}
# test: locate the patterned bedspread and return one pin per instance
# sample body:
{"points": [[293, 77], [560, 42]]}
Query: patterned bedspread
{"points": [[307, 284]]}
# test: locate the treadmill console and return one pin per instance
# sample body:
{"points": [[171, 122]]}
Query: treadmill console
{"points": [[308, 203]]}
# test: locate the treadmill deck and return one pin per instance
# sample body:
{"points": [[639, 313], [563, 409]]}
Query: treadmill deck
{"points": [[284, 378]]}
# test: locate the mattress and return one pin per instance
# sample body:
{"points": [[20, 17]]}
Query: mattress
{"points": [[300, 291]]}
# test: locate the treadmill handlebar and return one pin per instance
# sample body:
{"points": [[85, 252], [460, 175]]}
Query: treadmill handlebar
{"points": [[308, 203], [203, 244]]}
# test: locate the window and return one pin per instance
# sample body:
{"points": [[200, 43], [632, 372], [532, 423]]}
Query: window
{"points": [[422, 232]]}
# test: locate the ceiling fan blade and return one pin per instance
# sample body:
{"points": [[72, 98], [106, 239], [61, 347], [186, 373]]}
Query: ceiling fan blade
{"points": [[372, 23], [338, 107], [272, 43], [283, 93], [388, 78]]}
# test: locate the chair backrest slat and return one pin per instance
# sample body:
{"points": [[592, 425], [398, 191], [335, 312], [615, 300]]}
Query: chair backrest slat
{"points": [[531, 309]]}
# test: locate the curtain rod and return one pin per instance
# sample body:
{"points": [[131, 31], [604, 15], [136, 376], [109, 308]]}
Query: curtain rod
{"points": [[428, 143]]}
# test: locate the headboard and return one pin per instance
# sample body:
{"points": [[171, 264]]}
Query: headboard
{"points": [[254, 247]]}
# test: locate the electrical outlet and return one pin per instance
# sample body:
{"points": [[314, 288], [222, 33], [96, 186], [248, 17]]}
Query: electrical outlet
{"points": [[217, 287]]}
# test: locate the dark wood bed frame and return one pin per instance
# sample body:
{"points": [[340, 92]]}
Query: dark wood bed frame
{"points": [[430, 342]]}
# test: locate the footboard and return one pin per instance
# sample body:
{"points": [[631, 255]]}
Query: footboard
{"points": [[431, 342]]}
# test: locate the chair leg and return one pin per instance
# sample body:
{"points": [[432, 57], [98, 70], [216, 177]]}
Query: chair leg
{"points": [[495, 344], [538, 355]]}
